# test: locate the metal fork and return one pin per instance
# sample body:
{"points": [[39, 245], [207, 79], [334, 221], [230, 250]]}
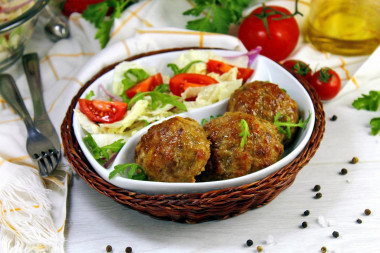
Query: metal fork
{"points": [[38, 146], [41, 119]]}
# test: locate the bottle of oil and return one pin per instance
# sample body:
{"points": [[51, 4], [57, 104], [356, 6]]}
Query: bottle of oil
{"points": [[345, 27]]}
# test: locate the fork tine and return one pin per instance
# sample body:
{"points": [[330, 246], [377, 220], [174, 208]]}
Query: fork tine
{"points": [[47, 161]]}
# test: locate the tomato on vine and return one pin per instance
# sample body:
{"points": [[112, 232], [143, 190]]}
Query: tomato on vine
{"points": [[299, 67], [326, 82], [273, 28]]}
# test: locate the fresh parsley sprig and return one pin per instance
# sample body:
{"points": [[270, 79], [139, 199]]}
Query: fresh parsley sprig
{"points": [[285, 126], [135, 171], [102, 154], [219, 14], [98, 15], [159, 99], [370, 102], [204, 120], [244, 133]]}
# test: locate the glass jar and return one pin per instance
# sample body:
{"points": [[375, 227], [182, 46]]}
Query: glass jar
{"points": [[345, 27]]}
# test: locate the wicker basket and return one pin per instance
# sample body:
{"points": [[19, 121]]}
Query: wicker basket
{"points": [[194, 207]]}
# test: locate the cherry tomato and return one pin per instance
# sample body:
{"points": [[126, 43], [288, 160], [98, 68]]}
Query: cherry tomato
{"points": [[326, 82], [222, 67], [299, 67], [71, 6], [283, 33], [102, 111], [145, 85], [179, 83]]}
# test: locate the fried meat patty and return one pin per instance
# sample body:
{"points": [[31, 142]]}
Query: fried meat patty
{"points": [[228, 159], [176, 150], [265, 100]]}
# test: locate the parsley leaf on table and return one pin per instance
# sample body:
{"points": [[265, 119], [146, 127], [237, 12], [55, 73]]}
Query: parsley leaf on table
{"points": [[219, 14], [370, 102]]}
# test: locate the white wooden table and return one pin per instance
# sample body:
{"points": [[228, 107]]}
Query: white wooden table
{"points": [[95, 221]]}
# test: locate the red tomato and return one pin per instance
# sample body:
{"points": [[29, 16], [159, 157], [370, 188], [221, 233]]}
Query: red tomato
{"points": [[145, 85], [283, 33], [326, 82], [299, 67], [222, 67], [102, 111], [179, 83], [71, 6]]}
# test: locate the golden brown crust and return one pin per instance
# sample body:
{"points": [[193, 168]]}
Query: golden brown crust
{"points": [[264, 100], [228, 158], [175, 150]]}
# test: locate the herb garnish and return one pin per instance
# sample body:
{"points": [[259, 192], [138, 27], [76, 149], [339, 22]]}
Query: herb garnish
{"points": [[159, 100], [135, 171], [219, 14], [90, 95], [284, 126], [204, 120], [244, 133], [176, 70], [133, 76], [102, 154]]}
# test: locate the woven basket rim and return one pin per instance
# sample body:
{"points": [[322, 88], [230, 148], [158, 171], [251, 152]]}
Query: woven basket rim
{"points": [[193, 207]]}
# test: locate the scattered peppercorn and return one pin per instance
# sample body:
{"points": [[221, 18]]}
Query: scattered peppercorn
{"points": [[259, 248], [367, 212], [249, 242], [317, 187], [334, 118], [324, 249], [343, 171], [318, 195], [306, 213], [109, 248], [354, 160], [335, 234], [128, 249], [359, 221], [304, 224]]}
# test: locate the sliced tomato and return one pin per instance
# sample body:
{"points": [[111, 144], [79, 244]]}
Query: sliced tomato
{"points": [[220, 67], [145, 85], [102, 111], [179, 83]]}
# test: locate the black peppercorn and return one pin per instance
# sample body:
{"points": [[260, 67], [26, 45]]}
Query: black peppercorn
{"points": [[109, 248], [343, 171], [335, 234], [249, 242], [367, 212], [359, 221], [128, 249], [334, 118], [304, 224], [306, 213], [317, 187], [318, 195]]}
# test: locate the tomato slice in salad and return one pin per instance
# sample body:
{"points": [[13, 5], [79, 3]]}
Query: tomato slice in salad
{"points": [[180, 82], [220, 67], [145, 85], [102, 111]]}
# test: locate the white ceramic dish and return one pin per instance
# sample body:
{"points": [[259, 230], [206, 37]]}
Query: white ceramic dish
{"points": [[265, 70]]}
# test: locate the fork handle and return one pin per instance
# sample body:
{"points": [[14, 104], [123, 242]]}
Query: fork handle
{"points": [[33, 75], [11, 95]]}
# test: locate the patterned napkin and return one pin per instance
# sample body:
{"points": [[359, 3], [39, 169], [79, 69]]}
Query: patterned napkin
{"points": [[33, 210]]}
